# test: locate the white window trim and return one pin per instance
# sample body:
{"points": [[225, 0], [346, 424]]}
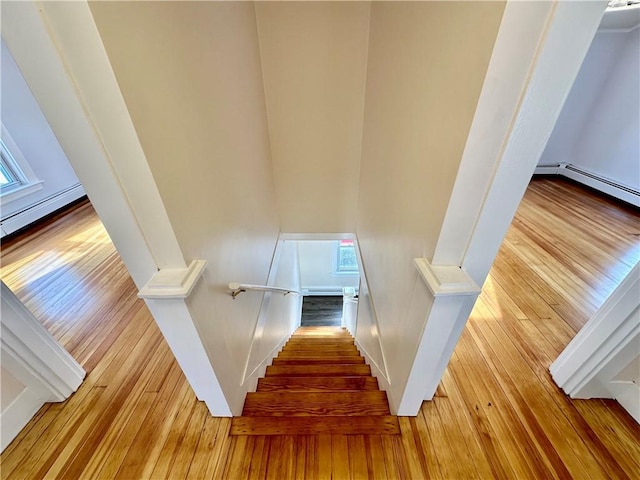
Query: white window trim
{"points": [[29, 182]]}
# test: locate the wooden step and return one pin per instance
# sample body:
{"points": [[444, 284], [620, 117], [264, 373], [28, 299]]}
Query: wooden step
{"points": [[349, 347], [374, 425], [321, 335], [305, 338], [327, 360], [320, 341], [316, 384], [319, 352], [297, 404], [312, 352], [317, 370], [327, 345]]}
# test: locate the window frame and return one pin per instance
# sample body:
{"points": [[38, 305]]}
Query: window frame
{"points": [[13, 162], [342, 271]]}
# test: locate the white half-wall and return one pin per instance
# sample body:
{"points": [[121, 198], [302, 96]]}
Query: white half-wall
{"points": [[603, 360], [59, 51], [35, 368], [426, 65], [203, 79], [503, 150]]}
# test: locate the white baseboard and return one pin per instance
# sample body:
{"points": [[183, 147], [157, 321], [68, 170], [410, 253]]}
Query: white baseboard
{"points": [[376, 371], [591, 179], [40, 209], [250, 381]]}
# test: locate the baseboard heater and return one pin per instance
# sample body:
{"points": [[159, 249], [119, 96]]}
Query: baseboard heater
{"points": [[41, 208], [593, 180], [322, 291]]}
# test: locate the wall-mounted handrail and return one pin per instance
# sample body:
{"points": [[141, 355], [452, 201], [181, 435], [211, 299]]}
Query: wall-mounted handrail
{"points": [[238, 288]]}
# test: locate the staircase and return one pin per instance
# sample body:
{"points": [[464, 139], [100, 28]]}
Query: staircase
{"points": [[318, 384]]}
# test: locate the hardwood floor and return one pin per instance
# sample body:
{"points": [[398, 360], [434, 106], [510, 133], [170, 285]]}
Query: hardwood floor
{"points": [[321, 311], [497, 414]]}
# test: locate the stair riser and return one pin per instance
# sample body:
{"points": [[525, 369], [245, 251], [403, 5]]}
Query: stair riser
{"points": [[319, 371], [316, 353], [316, 404], [304, 350], [318, 361], [321, 340], [317, 384], [319, 346]]}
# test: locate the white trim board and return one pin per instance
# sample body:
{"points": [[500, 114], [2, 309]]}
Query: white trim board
{"points": [[173, 282], [592, 179]]}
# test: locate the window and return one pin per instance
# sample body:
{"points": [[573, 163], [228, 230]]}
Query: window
{"points": [[16, 176], [346, 257], [9, 177]]}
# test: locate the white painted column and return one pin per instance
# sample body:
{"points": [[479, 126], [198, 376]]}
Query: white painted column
{"points": [[454, 294], [538, 52], [60, 53]]}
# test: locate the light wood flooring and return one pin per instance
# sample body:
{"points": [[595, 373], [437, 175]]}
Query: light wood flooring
{"points": [[497, 414]]}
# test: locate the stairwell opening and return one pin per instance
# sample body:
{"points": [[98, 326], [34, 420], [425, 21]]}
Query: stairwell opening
{"points": [[330, 281]]}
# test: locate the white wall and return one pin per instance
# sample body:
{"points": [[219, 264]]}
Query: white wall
{"points": [[10, 389], [29, 129], [318, 264], [598, 127], [427, 62], [191, 76], [630, 373], [314, 57]]}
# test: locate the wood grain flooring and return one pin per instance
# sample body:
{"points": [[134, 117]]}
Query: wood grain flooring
{"points": [[321, 310], [496, 414]]}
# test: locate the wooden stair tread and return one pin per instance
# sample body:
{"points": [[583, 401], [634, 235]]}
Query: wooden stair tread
{"points": [[316, 384], [321, 341], [318, 361], [304, 349], [314, 352], [299, 335], [339, 425], [266, 404], [317, 370]]}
